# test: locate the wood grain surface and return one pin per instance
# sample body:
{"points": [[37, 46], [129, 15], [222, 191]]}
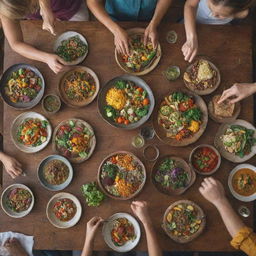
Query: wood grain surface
{"points": [[228, 47]]}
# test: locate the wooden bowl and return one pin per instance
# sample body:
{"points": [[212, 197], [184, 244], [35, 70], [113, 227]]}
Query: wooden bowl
{"points": [[152, 65], [200, 216], [43, 104], [208, 90], [180, 163], [85, 102], [103, 187], [215, 151], [161, 132], [78, 159]]}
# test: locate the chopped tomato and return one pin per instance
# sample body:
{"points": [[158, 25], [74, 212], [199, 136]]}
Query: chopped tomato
{"points": [[145, 101], [126, 122]]}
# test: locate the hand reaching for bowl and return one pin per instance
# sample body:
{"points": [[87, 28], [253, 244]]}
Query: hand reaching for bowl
{"points": [[55, 63], [238, 92], [150, 35], [140, 209], [48, 20], [121, 41], [91, 228], [190, 49]]}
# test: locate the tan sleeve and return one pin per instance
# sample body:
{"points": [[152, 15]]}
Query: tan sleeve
{"points": [[245, 240]]}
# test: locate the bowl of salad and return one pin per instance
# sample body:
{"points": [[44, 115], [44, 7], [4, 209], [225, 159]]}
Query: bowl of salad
{"points": [[180, 119], [126, 102], [72, 47], [74, 139], [236, 141], [79, 87], [121, 175], [121, 232], [31, 132], [55, 172], [22, 86], [172, 175], [142, 58], [205, 159], [17, 200], [63, 210], [184, 221]]}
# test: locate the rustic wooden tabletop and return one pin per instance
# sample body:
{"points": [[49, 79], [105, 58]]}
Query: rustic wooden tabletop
{"points": [[229, 47]]}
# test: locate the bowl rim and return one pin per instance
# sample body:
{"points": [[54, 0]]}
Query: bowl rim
{"points": [[43, 103]]}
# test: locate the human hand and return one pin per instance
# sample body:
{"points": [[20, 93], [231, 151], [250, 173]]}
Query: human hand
{"points": [[13, 246], [190, 49], [55, 63], [48, 21], [212, 190], [12, 166], [92, 226], [140, 209], [237, 92], [122, 41], [151, 35]]}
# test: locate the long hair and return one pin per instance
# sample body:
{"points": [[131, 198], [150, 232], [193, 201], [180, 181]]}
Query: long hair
{"points": [[236, 5], [18, 9]]}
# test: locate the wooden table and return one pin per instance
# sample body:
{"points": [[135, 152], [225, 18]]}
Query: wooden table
{"points": [[228, 47]]}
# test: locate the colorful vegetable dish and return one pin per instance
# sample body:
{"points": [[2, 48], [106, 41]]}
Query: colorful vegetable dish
{"points": [[55, 172], [122, 176], [73, 139], [204, 159], [126, 102], [23, 86], [238, 140], [19, 200], [92, 194], [32, 132], [244, 182], [79, 85], [183, 221], [141, 56], [170, 175], [72, 49], [180, 116], [201, 76], [64, 209], [122, 232]]}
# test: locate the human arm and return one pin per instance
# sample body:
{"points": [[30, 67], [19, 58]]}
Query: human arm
{"points": [[48, 16], [13, 33], [140, 209], [12, 166], [238, 92], [92, 226], [190, 47], [121, 38], [151, 30]]}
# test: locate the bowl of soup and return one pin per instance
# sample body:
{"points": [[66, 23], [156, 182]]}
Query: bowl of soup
{"points": [[242, 182]]}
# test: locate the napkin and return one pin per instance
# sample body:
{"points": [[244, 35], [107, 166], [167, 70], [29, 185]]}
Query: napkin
{"points": [[27, 242]]}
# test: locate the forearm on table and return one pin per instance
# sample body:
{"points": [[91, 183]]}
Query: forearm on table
{"points": [[161, 9], [152, 242], [88, 248], [2, 156], [190, 10], [98, 10], [231, 220], [252, 88]]}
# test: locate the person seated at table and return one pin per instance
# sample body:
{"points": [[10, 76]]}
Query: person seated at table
{"points": [[238, 92], [243, 237], [11, 12], [140, 209], [132, 10], [214, 12]]}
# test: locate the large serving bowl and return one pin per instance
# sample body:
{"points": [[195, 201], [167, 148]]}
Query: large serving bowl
{"points": [[118, 159], [110, 84], [18, 121], [41, 170], [149, 67], [6, 77], [4, 201]]}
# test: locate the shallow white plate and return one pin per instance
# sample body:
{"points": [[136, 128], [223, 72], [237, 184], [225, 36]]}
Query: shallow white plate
{"points": [[18, 121], [66, 36], [7, 210], [51, 216], [233, 192], [108, 226]]}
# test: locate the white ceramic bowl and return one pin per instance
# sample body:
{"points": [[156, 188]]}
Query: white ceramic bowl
{"points": [[108, 226], [7, 210]]}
